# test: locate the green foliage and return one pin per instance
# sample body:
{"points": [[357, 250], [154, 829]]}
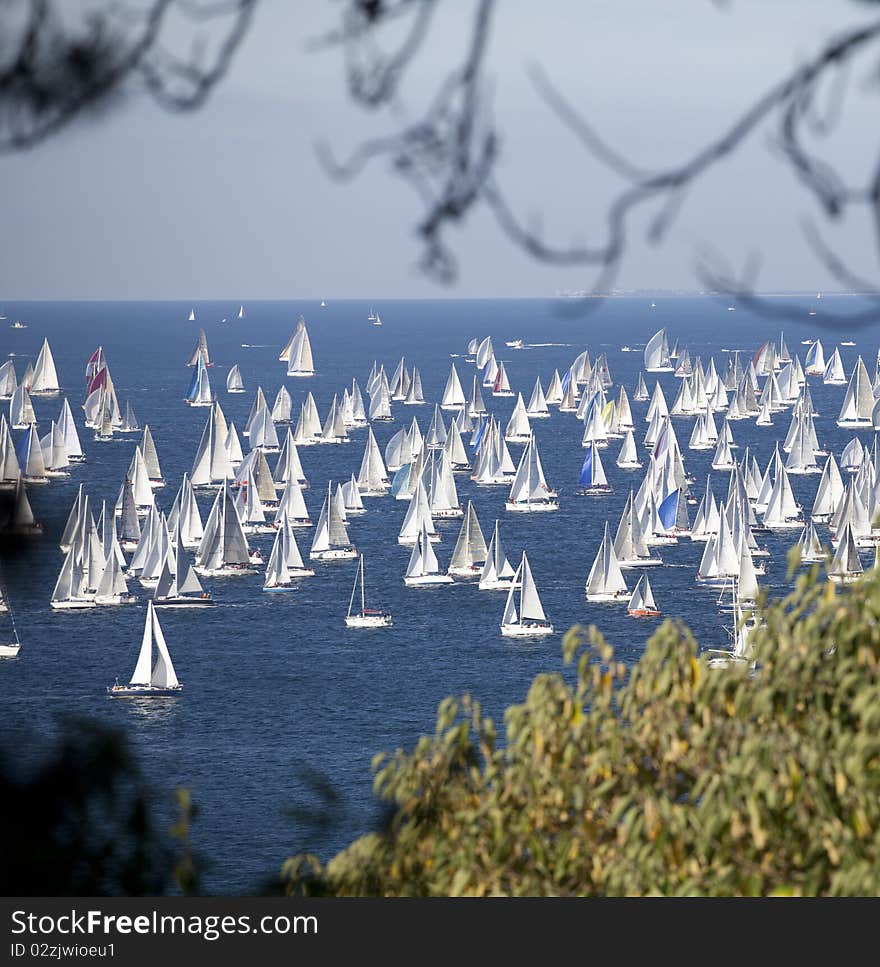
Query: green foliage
{"points": [[675, 778]]}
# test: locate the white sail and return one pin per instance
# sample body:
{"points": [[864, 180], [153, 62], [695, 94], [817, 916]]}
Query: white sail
{"points": [[299, 352], [453, 395], [605, 580], [234, 381], [518, 426], [657, 354], [8, 380], [45, 378]]}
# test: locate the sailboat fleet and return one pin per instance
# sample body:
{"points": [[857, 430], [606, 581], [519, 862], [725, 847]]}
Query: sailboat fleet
{"points": [[637, 440]]}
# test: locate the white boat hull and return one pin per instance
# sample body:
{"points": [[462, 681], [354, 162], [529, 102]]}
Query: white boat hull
{"points": [[495, 585], [9, 651], [535, 630], [335, 554], [74, 604], [470, 571], [531, 507], [368, 621], [228, 570], [609, 598], [427, 580]]}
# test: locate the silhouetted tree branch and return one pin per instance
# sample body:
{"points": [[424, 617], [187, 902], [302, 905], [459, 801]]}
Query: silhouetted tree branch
{"points": [[52, 71]]}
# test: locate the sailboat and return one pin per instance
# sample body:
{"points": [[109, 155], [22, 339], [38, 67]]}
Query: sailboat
{"points": [[10, 649], [642, 604], [331, 541], [192, 315], [69, 592], [223, 550], [497, 572], [240, 312], [846, 566], [605, 581], [199, 392], [45, 378], [423, 569], [160, 681], [366, 617], [529, 491], [285, 561], [178, 585], [469, 556], [524, 615], [200, 351], [298, 352], [858, 402], [657, 359], [501, 385], [234, 382], [593, 482], [628, 458]]}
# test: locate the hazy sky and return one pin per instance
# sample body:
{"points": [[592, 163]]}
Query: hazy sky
{"points": [[230, 202]]}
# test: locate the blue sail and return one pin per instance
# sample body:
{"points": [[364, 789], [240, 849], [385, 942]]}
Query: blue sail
{"points": [[587, 469], [566, 380], [668, 510], [193, 384], [400, 479], [475, 444]]}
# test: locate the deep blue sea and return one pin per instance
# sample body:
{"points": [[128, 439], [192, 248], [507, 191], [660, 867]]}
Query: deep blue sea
{"points": [[276, 688]]}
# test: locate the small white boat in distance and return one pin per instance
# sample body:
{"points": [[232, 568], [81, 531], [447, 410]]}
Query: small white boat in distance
{"points": [[366, 617], [9, 649], [847, 342], [18, 324], [378, 320], [515, 344], [627, 349], [158, 681], [523, 612]]}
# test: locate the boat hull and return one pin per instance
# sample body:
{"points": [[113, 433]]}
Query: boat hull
{"points": [[75, 604], [227, 570], [531, 507], [643, 613], [427, 580], [142, 691], [535, 630], [9, 651], [338, 554], [609, 598], [470, 571], [184, 602], [368, 621]]}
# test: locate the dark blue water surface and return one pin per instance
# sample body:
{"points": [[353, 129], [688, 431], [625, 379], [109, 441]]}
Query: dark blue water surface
{"points": [[275, 685]]}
